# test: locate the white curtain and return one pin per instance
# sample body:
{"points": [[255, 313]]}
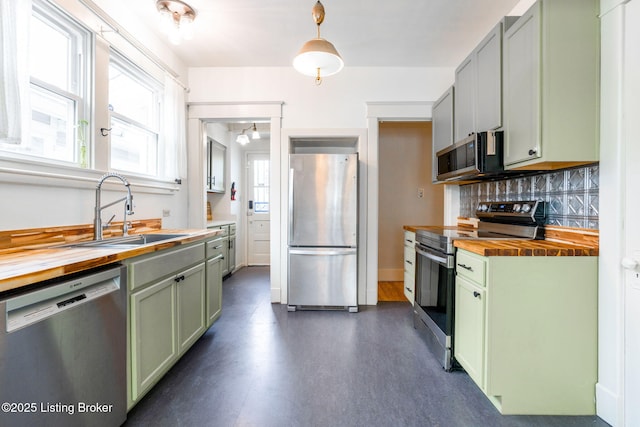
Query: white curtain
{"points": [[175, 132], [14, 76]]}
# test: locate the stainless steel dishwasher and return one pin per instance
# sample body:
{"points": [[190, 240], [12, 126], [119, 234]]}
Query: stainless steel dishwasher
{"points": [[63, 352]]}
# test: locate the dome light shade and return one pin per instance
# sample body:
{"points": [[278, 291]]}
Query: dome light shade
{"points": [[318, 57], [318, 54]]}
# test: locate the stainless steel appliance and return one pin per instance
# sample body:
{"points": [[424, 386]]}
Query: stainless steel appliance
{"points": [[435, 266], [323, 224], [63, 352], [480, 154]]}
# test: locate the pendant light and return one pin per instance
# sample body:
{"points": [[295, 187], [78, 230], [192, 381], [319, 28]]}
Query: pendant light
{"points": [[318, 57]]}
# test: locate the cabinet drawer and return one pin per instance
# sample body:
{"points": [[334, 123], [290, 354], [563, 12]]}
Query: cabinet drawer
{"points": [[471, 267], [168, 262], [409, 238], [232, 229], [409, 259], [214, 248], [224, 228]]}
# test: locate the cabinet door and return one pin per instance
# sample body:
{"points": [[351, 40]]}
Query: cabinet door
{"points": [[190, 293], [442, 127], [224, 262], [232, 253], [522, 88], [153, 332], [216, 154], [465, 98], [214, 290], [488, 105], [470, 309]]}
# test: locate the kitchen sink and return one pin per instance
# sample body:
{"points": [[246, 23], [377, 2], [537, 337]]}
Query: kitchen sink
{"points": [[127, 241]]}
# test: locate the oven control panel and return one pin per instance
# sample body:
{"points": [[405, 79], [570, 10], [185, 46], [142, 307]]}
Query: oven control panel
{"points": [[533, 210]]}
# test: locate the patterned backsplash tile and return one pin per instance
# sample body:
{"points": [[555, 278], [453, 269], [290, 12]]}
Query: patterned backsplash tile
{"points": [[571, 195]]}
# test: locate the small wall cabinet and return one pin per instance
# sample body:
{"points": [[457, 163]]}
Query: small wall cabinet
{"points": [[442, 127], [551, 83], [216, 154]]}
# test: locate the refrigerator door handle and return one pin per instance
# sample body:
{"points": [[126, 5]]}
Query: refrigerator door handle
{"points": [[326, 252], [291, 216]]}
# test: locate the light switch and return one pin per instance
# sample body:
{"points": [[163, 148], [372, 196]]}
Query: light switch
{"points": [[420, 193]]}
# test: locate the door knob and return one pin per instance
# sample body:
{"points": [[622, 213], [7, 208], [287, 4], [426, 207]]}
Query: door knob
{"points": [[629, 263]]}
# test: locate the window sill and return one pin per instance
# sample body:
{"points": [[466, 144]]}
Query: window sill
{"points": [[41, 174]]}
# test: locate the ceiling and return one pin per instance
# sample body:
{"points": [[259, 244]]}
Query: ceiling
{"points": [[402, 33]]}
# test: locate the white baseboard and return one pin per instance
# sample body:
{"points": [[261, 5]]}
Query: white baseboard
{"points": [[607, 405], [275, 295], [390, 275]]}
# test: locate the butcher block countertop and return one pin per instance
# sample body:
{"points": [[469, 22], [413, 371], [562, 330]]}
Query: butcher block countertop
{"points": [[24, 265], [559, 241], [524, 248]]}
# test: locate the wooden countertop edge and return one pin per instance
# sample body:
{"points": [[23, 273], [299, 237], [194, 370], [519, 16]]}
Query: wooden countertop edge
{"points": [[524, 248], [27, 266]]}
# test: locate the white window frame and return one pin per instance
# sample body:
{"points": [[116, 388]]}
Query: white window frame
{"points": [[80, 78], [145, 79]]}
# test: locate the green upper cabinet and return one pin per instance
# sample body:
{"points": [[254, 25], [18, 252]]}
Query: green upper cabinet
{"points": [[442, 129], [478, 83], [216, 155], [465, 98], [551, 86]]}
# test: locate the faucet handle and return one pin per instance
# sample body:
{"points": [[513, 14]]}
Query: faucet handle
{"points": [[105, 225]]}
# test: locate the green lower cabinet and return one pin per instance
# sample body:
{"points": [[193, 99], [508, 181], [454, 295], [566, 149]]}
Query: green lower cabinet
{"points": [[470, 327], [214, 290], [168, 303], [190, 291], [530, 340], [153, 333]]}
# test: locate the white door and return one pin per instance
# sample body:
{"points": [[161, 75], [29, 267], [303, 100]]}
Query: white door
{"points": [[258, 208], [631, 261]]}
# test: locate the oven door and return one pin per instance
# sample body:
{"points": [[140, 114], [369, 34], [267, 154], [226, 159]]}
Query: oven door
{"points": [[434, 299]]}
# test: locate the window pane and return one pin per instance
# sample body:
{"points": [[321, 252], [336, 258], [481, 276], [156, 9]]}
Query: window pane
{"points": [[133, 149], [130, 98], [49, 54], [261, 186], [52, 126]]}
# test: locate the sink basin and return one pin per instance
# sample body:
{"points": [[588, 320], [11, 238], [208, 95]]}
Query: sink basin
{"points": [[127, 241]]}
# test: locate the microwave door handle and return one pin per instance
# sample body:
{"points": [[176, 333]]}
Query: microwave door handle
{"points": [[431, 256]]}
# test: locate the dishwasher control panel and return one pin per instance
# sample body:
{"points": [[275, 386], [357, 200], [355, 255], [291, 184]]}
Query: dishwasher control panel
{"points": [[38, 305]]}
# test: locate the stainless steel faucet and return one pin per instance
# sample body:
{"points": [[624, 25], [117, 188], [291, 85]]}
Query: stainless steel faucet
{"points": [[128, 206]]}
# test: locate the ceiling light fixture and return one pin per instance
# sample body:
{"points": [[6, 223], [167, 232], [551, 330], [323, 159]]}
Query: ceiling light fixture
{"points": [[243, 138], [318, 57], [178, 17]]}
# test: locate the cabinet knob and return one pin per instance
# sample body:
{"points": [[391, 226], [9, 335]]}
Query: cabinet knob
{"points": [[532, 151], [476, 294], [629, 263]]}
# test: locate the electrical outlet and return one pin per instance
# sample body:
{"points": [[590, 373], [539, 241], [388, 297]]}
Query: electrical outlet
{"points": [[166, 213], [420, 193]]}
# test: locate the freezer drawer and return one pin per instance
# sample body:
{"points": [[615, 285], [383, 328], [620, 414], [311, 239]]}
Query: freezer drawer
{"points": [[323, 277]]}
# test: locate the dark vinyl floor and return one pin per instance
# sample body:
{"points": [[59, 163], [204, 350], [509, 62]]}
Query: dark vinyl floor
{"points": [[260, 365]]}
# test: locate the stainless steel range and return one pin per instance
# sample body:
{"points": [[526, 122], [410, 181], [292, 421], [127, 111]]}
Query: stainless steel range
{"points": [[435, 265]]}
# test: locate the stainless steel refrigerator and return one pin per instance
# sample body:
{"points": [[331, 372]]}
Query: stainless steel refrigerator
{"points": [[323, 231]]}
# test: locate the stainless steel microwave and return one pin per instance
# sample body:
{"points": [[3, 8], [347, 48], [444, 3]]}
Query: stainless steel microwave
{"points": [[480, 154]]}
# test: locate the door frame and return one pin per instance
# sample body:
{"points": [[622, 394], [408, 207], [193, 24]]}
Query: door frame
{"points": [[198, 114], [245, 190]]}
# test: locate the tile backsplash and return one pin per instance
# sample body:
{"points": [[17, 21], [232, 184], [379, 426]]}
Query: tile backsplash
{"points": [[571, 195]]}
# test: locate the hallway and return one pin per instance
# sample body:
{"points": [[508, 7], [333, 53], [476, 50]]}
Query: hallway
{"points": [[262, 366]]}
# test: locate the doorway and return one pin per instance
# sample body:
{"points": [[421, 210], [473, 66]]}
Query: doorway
{"points": [[258, 209], [406, 196]]}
